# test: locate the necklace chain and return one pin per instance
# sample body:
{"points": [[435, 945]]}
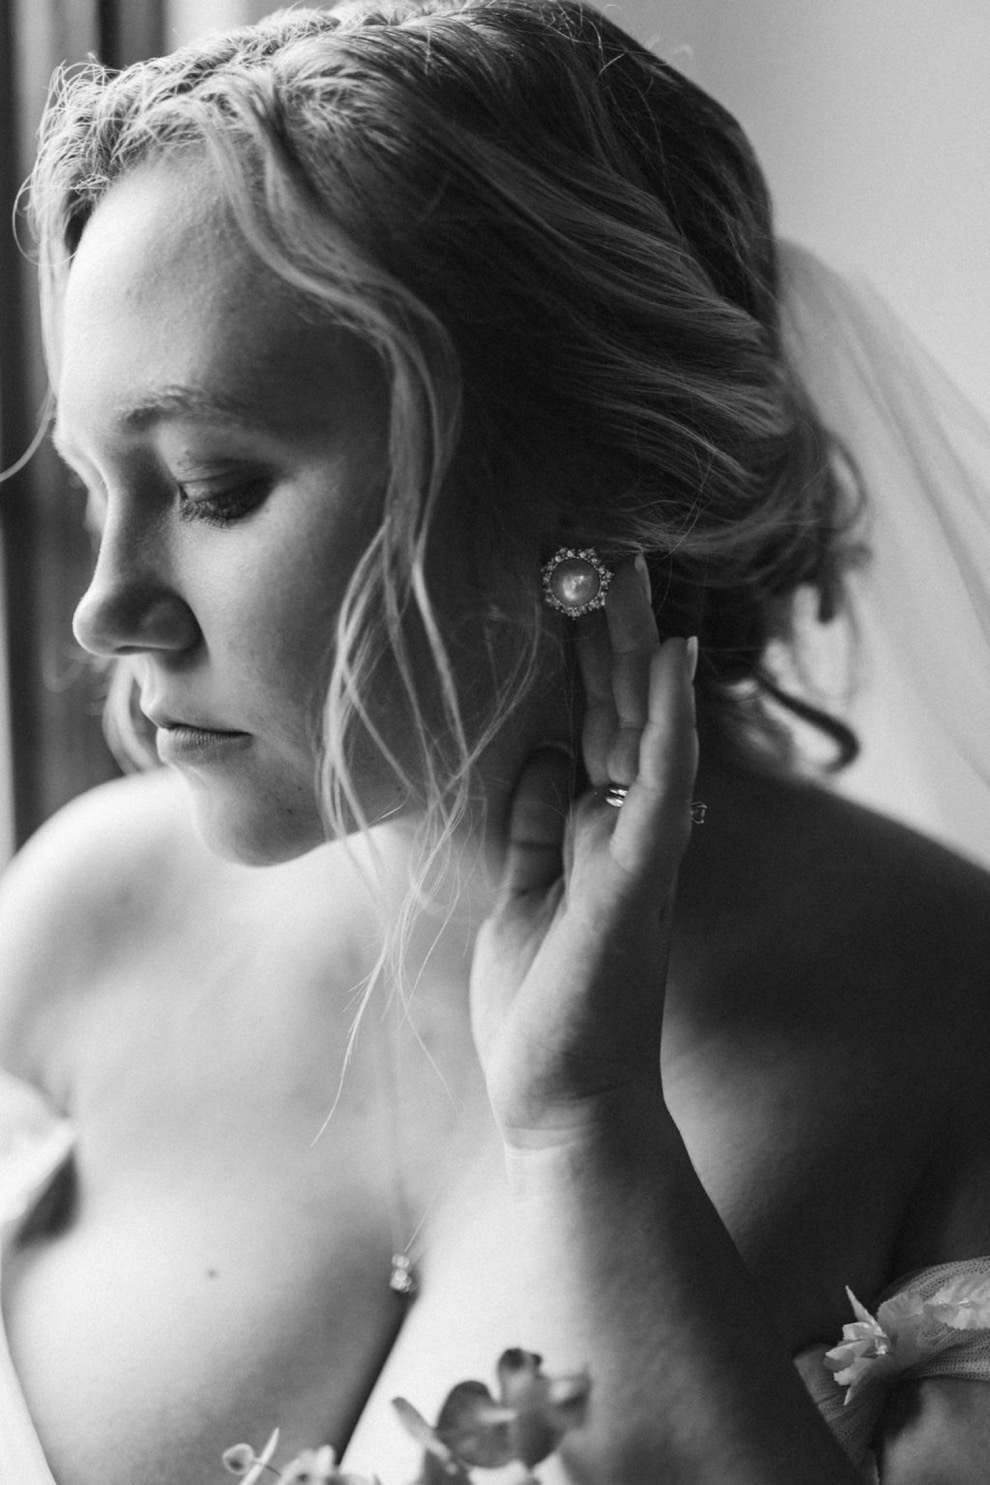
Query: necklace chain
{"points": [[403, 1275]]}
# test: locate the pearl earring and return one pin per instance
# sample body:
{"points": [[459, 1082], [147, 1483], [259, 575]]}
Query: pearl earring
{"points": [[575, 581]]}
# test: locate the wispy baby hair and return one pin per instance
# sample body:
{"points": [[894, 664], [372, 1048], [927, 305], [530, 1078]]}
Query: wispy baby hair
{"points": [[562, 252]]}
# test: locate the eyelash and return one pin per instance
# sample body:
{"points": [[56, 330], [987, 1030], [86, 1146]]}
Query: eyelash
{"points": [[225, 507]]}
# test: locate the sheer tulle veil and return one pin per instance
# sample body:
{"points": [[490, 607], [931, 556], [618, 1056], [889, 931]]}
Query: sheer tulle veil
{"points": [[920, 697]]}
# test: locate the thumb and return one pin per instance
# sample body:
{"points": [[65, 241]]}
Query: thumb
{"points": [[537, 821]]}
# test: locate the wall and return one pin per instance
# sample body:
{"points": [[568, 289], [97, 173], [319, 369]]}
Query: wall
{"points": [[187, 19], [6, 761], [872, 119]]}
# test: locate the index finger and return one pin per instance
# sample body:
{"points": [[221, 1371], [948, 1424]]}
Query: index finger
{"points": [[593, 648]]}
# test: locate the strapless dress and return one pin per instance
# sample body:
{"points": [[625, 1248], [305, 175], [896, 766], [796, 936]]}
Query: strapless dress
{"points": [[34, 1144]]}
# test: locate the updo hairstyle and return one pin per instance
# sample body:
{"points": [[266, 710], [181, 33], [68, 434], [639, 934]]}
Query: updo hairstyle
{"points": [[562, 252]]}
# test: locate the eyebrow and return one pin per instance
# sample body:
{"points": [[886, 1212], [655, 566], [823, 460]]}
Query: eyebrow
{"points": [[195, 402], [160, 403]]}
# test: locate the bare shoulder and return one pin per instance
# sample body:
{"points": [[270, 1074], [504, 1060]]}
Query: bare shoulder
{"points": [[117, 899], [905, 941], [935, 906], [830, 1014], [902, 895], [857, 944], [79, 892], [899, 929], [86, 868], [830, 895]]}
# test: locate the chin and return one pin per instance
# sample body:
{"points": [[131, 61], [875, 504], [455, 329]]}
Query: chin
{"points": [[254, 830]]}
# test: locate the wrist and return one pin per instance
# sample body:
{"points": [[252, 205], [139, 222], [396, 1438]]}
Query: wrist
{"points": [[616, 1130]]}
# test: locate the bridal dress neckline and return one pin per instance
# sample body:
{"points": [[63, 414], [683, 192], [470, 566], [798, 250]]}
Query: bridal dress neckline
{"points": [[933, 1323], [34, 1144]]}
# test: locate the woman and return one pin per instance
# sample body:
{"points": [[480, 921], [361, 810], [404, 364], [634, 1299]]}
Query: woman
{"points": [[364, 331]]}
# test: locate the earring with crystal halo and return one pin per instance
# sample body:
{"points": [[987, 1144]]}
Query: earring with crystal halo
{"points": [[575, 581]]}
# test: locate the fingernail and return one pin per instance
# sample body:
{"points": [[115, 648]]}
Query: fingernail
{"points": [[643, 573], [691, 656]]}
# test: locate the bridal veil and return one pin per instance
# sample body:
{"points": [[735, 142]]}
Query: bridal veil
{"points": [[920, 656]]}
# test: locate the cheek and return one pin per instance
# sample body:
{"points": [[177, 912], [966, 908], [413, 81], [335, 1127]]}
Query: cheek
{"points": [[278, 625], [281, 647]]}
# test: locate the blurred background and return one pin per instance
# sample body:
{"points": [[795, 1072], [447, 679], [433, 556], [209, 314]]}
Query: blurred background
{"points": [[871, 117]]}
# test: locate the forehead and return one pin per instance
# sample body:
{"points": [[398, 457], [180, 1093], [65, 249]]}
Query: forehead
{"points": [[165, 302]]}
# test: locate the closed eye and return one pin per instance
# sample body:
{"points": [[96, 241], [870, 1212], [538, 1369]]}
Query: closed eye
{"points": [[221, 505]]}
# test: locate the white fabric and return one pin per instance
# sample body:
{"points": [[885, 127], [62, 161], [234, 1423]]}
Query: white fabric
{"points": [[34, 1143], [922, 604], [855, 1422], [971, 1360]]}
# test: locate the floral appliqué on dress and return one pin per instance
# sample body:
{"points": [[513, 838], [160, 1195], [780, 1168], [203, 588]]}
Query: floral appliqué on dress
{"points": [[907, 1331]]}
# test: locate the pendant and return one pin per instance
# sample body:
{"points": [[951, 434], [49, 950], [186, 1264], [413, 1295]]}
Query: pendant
{"points": [[403, 1278]]}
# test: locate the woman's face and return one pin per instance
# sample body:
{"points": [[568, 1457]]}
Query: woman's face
{"points": [[235, 453]]}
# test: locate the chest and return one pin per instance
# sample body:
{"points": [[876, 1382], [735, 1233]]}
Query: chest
{"points": [[220, 1268], [216, 1263], [808, 1220]]}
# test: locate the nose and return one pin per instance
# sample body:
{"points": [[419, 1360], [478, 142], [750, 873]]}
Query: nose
{"points": [[131, 604]]}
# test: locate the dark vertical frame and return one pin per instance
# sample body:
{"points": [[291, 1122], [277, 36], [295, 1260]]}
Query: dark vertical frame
{"points": [[130, 30], [57, 743]]}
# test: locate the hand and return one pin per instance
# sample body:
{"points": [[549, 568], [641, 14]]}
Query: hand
{"points": [[569, 971]]}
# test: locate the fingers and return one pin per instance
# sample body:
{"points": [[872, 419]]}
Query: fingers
{"points": [[635, 641], [639, 730], [614, 653], [537, 825], [594, 653], [654, 823], [668, 753]]}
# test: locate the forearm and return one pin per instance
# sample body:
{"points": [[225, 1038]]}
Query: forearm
{"points": [[633, 1273]]}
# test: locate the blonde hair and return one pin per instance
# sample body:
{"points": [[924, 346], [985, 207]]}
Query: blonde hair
{"points": [[562, 252]]}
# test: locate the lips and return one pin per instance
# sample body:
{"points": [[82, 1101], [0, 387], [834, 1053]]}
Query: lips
{"points": [[167, 723], [180, 742], [198, 727], [193, 739]]}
